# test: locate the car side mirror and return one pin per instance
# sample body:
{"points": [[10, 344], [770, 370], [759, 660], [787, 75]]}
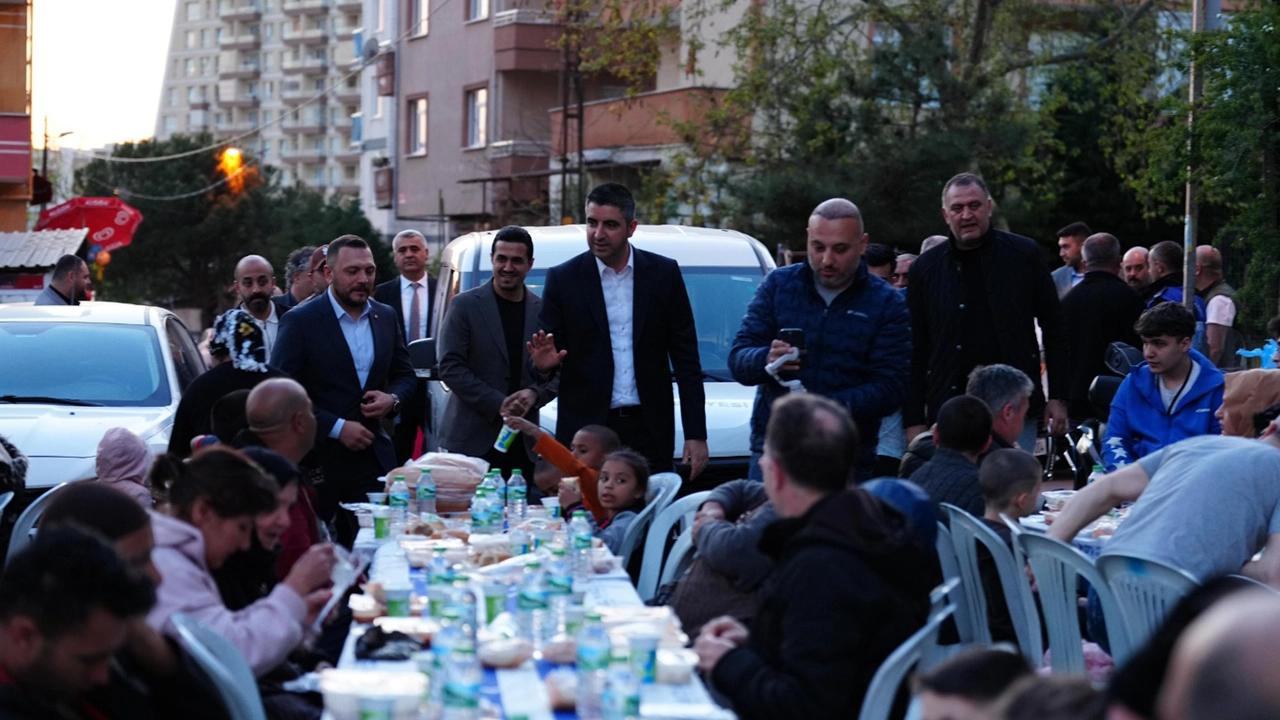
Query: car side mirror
{"points": [[422, 355]]}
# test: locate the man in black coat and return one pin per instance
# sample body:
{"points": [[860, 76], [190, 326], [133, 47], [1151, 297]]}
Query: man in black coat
{"points": [[348, 352], [620, 326], [850, 583], [412, 285], [1101, 310], [975, 300]]}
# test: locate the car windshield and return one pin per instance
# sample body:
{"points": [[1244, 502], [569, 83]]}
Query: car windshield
{"points": [[719, 297], [90, 363]]}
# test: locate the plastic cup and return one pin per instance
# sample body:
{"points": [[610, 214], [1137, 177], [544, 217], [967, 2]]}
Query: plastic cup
{"points": [[381, 522], [377, 498], [506, 436], [644, 657], [552, 504]]}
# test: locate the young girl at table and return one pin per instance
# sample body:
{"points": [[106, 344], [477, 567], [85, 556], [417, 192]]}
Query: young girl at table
{"points": [[623, 487]]}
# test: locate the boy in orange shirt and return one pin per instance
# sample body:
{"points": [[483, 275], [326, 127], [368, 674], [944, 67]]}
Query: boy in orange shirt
{"points": [[584, 459]]}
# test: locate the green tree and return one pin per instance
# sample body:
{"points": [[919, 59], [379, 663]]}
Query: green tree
{"points": [[1234, 152], [883, 101]]}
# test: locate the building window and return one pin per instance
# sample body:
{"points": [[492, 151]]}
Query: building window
{"points": [[188, 67], [417, 125], [477, 109], [192, 39], [170, 96], [419, 17], [477, 10], [194, 12]]}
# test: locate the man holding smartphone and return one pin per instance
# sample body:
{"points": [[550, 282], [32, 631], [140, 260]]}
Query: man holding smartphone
{"points": [[853, 327]]}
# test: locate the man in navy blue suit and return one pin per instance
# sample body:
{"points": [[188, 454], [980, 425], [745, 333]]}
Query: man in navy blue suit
{"points": [[348, 351], [618, 321]]}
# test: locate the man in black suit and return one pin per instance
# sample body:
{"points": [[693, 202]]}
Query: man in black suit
{"points": [[1100, 310], [410, 295], [348, 352], [621, 320]]}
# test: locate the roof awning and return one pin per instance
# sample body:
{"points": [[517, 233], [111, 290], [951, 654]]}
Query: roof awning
{"points": [[38, 249]]}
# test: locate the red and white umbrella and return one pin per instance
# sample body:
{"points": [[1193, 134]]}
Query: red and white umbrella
{"points": [[111, 222]]}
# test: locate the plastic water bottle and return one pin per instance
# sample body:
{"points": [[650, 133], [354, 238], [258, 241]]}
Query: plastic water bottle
{"points": [[621, 697], [559, 589], [531, 606], [462, 685], [593, 667], [480, 511], [450, 636], [500, 489], [580, 537], [426, 493], [520, 542], [439, 581], [399, 499], [517, 497]]}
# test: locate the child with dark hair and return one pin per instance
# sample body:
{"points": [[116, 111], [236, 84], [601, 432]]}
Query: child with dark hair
{"points": [[582, 460], [1052, 697], [623, 487], [967, 685], [1174, 395], [1010, 480], [961, 435]]}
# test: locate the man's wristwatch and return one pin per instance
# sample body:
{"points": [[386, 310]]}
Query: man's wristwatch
{"points": [[395, 405]]}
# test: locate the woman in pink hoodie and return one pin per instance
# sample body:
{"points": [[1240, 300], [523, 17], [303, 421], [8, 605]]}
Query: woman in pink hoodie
{"points": [[123, 463], [215, 497]]}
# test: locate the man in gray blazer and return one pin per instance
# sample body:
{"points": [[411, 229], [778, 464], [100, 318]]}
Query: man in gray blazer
{"points": [[484, 361], [69, 285], [1071, 249]]}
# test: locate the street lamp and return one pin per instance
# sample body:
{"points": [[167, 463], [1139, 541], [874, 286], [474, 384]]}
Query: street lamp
{"points": [[44, 155]]}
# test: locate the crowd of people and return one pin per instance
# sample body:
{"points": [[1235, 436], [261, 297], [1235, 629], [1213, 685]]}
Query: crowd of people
{"points": [[933, 371]]}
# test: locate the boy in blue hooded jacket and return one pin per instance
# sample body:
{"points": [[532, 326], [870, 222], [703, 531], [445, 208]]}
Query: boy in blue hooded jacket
{"points": [[1173, 396]]}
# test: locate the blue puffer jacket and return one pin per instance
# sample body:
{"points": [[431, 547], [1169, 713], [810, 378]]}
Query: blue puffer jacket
{"points": [[857, 350], [1139, 424]]}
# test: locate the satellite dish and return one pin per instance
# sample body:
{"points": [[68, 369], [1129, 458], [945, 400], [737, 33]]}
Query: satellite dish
{"points": [[371, 48]]}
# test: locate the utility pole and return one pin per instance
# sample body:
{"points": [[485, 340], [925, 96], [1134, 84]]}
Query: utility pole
{"points": [[1203, 12], [571, 109]]}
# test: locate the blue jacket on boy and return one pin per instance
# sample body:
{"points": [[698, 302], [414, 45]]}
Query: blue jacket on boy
{"points": [[1140, 423]]}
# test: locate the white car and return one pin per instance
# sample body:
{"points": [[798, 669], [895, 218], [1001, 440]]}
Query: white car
{"points": [[70, 373], [721, 269]]}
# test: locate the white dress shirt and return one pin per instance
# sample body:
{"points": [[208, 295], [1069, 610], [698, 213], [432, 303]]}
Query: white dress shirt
{"points": [[359, 336], [619, 300], [269, 327], [406, 302]]}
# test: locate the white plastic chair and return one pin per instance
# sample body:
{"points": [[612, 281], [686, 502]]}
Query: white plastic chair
{"points": [[223, 666], [1057, 566], [966, 622], [966, 532], [878, 702], [5, 499], [1145, 591], [662, 490], [23, 526], [655, 545]]}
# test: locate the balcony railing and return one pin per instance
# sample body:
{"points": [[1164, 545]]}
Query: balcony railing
{"points": [[243, 11], [525, 40], [303, 7], [305, 35], [641, 121], [306, 66]]}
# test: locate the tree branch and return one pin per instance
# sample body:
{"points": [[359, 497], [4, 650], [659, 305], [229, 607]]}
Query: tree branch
{"points": [[1083, 52]]}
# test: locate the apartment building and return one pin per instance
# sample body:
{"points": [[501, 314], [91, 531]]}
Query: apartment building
{"points": [[461, 110], [15, 113], [283, 75]]}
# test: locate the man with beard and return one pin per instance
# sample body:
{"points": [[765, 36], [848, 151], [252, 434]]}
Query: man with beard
{"points": [[69, 285], [1134, 266], [255, 286], [66, 603], [856, 331], [488, 385], [348, 352], [410, 296]]}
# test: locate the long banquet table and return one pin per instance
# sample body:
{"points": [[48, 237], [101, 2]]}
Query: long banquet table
{"points": [[521, 692]]}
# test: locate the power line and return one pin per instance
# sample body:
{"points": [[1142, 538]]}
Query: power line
{"points": [[126, 193], [255, 130]]}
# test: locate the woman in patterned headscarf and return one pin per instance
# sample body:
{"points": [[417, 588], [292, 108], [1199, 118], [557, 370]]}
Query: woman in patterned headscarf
{"points": [[240, 358]]}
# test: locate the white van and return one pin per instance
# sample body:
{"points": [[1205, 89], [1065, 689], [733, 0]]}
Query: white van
{"points": [[721, 268]]}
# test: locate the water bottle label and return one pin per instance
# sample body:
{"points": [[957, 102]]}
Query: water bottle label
{"points": [[460, 694], [531, 600], [426, 492], [592, 657], [557, 585], [517, 494], [582, 541], [399, 501]]}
